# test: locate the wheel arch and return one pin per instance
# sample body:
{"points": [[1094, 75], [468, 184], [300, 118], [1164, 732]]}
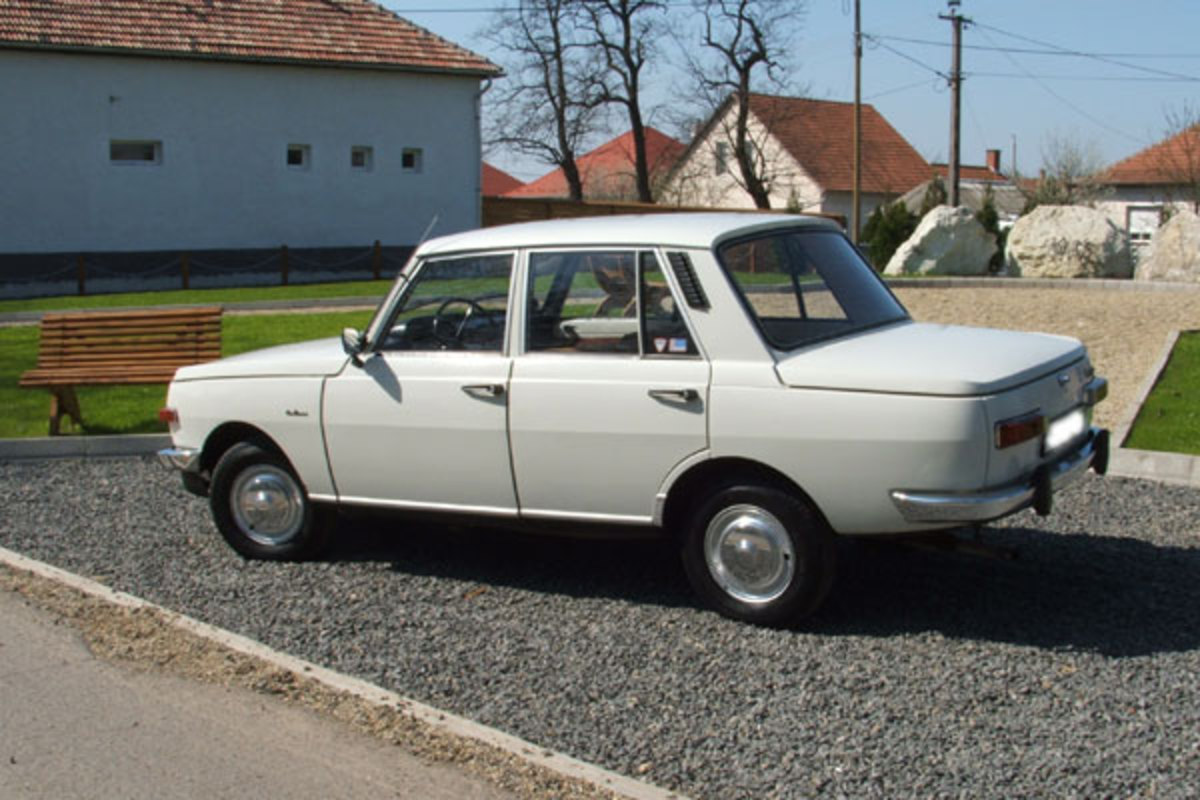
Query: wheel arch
{"points": [[707, 476], [229, 434]]}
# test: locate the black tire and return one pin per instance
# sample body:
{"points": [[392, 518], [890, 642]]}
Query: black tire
{"points": [[262, 508], [759, 555]]}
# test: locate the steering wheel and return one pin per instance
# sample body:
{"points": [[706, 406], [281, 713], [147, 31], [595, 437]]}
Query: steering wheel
{"points": [[442, 321]]}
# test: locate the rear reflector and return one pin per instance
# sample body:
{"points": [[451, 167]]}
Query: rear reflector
{"points": [[168, 415], [1019, 429]]}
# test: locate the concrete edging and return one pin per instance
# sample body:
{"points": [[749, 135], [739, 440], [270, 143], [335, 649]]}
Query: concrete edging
{"points": [[44, 447], [443, 721]]}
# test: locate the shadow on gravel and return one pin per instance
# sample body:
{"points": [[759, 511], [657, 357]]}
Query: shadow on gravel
{"points": [[639, 570], [1114, 596]]}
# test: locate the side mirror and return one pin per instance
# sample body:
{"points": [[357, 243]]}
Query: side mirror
{"points": [[352, 343]]}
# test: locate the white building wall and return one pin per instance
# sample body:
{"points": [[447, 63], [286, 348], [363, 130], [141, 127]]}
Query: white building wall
{"points": [[223, 181]]}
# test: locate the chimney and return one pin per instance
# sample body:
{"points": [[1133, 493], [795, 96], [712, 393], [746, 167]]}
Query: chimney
{"points": [[993, 161]]}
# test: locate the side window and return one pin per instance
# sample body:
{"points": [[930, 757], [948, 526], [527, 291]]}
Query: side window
{"points": [[663, 329], [453, 304], [614, 302], [583, 302]]}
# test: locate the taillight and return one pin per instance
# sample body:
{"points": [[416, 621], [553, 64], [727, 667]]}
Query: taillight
{"points": [[1013, 431], [168, 415]]}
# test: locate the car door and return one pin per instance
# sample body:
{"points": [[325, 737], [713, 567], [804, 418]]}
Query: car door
{"points": [[609, 392], [422, 421]]}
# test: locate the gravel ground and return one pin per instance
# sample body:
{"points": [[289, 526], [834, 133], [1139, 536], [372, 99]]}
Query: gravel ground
{"points": [[1072, 671]]}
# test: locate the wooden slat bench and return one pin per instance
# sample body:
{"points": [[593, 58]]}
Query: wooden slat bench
{"points": [[116, 348]]}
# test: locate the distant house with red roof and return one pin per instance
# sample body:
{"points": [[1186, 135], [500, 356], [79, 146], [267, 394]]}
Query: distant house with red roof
{"points": [[496, 181], [1142, 186], [806, 150], [975, 183], [608, 173], [137, 125]]}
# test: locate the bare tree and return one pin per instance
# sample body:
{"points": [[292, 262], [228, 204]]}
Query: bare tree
{"points": [[1070, 174], [624, 32], [547, 105], [1179, 163], [745, 45]]}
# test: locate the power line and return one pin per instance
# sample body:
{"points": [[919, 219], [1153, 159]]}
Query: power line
{"points": [[1032, 51], [1092, 56]]}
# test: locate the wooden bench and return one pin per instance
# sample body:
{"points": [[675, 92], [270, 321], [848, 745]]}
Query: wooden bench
{"points": [[118, 348]]}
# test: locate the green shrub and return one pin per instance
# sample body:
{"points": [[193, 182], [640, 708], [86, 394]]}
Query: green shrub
{"points": [[888, 227]]}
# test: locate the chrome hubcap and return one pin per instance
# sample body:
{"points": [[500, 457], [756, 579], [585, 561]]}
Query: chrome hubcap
{"points": [[749, 554], [268, 504]]}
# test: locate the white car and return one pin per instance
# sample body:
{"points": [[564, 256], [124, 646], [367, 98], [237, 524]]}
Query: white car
{"points": [[743, 383]]}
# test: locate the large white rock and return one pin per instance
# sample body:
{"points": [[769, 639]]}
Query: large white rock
{"points": [[948, 241], [1067, 242], [1174, 255]]}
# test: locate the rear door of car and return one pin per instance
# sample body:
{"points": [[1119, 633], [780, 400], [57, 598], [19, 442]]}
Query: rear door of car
{"points": [[609, 387]]}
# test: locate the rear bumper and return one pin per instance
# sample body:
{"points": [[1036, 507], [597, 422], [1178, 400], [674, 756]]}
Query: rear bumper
{"points": [[990, 504]]}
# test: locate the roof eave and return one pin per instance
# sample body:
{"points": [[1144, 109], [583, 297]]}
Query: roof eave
{"points": [[141, 52]]}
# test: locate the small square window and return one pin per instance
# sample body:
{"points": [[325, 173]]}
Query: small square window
{"points": [[299, 156], [134, 152], [411, 159], [361, 158]]}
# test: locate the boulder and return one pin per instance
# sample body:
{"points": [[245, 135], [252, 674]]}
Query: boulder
{"points": [[948, 241], [1067, 242], [1174, 255]]}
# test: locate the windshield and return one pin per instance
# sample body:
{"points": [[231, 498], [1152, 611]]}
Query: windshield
{"points": [[802, 286]]}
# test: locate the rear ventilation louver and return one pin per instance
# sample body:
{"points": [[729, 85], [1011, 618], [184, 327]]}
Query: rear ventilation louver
{"points": [[681, 265]]}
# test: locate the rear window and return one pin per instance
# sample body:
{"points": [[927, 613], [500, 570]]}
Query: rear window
{"points": [[802, 286]]}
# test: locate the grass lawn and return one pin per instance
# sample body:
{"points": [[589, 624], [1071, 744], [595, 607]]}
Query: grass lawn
{"points": [[134, 409], [200, 296], [1170, 418]]}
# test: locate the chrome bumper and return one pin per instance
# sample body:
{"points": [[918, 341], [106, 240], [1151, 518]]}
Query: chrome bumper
{"points": [[989, 504], [184, 459]]}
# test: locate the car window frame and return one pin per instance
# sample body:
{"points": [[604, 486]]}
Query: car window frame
{"points": [[524, 293], [409, 277]]}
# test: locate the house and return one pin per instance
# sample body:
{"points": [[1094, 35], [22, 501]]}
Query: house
{"points": [[227, 127], [806, 150], [496, 181], [974, 184], [608, 172], [1163, 176]]}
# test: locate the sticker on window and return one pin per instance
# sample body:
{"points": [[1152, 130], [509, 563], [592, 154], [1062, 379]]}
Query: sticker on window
{"points": [[679, 345], [660, 344]]}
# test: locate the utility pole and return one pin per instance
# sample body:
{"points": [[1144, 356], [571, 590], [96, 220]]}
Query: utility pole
{"points": [[956, 21], [856, 207]]}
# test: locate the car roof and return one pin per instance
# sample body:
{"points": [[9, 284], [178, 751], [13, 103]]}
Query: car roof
{"points": [[696, 230]]}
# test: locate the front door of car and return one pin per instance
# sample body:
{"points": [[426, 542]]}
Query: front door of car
{"points": [[422, 423], [610, 390]]}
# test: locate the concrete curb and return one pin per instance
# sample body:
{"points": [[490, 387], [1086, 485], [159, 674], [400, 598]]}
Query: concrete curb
{"points": [[82, 446], [443, 721], [1176, 468]]}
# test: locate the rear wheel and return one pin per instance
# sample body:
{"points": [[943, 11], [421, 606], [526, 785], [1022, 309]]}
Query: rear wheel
{"points": [[759, 554], [262, 509]]}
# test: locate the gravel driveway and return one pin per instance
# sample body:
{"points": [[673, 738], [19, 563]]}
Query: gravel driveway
{"points": [[1072, 671]]}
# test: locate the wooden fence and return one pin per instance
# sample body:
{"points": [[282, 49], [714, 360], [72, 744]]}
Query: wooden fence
{"points": [[505, 210]]}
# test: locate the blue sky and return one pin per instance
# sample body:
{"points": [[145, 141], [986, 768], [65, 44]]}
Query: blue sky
{"points": [[1129, 63]]}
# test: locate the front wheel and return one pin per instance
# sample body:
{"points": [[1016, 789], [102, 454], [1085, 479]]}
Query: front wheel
{"points": [[759, 555], [261, 508]]}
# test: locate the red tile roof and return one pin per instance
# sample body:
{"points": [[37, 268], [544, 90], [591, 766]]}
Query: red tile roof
{"points": [[970, 172], [819, 134], [607, 172], [1172, 161], [496, 181], [334, 32]]}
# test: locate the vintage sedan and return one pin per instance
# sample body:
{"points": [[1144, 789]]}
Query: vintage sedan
{"points": [[745, 384]]}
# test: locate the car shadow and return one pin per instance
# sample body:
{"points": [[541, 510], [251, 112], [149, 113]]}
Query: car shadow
{"points": [[1115, 596]]}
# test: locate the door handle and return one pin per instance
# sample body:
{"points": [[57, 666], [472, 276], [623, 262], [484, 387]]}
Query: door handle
{"points": [[484, 389], [678, 395]]}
